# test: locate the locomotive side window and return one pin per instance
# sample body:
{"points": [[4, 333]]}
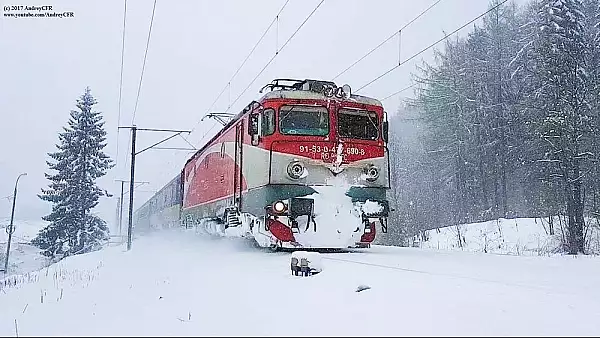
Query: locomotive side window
{"points": [[358, 124], [268, 122], [304, 120]]}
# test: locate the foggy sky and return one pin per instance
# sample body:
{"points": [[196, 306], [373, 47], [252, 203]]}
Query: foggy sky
{"points": [[195, 47]]}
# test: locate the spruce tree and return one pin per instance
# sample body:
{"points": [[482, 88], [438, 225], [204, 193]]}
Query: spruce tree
{"points": [[564, 124], [73, 192]]}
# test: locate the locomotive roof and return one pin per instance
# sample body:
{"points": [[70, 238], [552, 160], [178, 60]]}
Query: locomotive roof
{"points": [[311, 95]]}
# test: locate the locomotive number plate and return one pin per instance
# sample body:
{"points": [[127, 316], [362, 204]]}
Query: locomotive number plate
{"points": [[315, 149], [328, 152]]}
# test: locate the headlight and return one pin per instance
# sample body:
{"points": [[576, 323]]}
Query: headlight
{"points": [[295, 170], [372, 173], [279, 206]]}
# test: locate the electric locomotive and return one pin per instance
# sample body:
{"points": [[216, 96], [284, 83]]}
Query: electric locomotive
{"points": [[305, 166]]}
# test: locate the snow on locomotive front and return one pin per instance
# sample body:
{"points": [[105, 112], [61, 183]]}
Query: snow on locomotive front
{"points": [[311, 168]]}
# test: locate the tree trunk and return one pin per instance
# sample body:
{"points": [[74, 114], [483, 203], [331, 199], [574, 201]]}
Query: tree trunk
{"points": [[578, 213], [496, 190], [503, 182], [575, 212]]}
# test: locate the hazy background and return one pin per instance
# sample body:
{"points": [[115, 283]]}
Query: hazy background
{"points": [[195, 47]]}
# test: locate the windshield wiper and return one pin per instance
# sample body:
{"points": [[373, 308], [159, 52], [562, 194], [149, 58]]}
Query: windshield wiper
{"points": [[288, 114], [371, 120]]}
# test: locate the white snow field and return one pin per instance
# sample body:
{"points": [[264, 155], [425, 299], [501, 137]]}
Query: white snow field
{"points": [[23, 256], [174, 282], [518, 236]]}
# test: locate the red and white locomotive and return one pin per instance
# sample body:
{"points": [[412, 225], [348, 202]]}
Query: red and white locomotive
{"points": [[305, 166]]}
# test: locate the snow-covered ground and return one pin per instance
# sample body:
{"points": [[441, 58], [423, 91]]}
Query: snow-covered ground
{"points": [[23, 257], [174, 282], [521, 236], [25, 230]]}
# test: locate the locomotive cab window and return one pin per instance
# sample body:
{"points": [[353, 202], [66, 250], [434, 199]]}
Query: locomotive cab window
{"points": [[358, 124], [304, 120], [268, 122]]}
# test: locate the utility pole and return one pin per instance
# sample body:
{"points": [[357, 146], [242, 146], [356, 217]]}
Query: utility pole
{"points": [[11, 228], [121, 209], [134, 131], [121, 202], [130, 225]]}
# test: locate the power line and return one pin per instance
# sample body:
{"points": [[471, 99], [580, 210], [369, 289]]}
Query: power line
{"points": [[388, 39], [144, 63], [398, 92], [228, 84], [206, 133], [186, 141], [277, 53], [268, 63], [430, 46], [142, 73], [121, 80]]}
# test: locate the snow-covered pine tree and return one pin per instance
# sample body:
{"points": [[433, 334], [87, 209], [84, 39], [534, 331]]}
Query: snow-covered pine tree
{"points": [[510, 122], [447, 115], [79, 161], [564, 123], [591, 8]]}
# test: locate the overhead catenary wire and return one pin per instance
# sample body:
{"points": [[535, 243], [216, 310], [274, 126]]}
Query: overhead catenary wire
{"points": [[277, 53], [399, 91], [228, 84], [387, 39], [137, 99], [186, 141], [430, 46], [142, 74], [121, 79], [206, 133], [268, 63]]}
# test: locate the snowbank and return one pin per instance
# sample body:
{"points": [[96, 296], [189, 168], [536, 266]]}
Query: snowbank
{"points": [[23, 256], [174, 283], [520, 236], [25, 231]]}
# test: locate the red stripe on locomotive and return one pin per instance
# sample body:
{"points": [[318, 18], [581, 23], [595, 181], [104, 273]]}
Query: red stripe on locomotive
{"points": [[210, 180]]}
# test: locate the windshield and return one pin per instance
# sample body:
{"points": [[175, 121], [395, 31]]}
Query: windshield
{"points": [[304, 120], [358, 124]]}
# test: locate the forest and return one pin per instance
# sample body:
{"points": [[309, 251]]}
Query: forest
{"points": [[504, 123]]}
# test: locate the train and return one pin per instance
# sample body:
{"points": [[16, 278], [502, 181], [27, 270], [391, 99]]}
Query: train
{"points": [[306, 166]]}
